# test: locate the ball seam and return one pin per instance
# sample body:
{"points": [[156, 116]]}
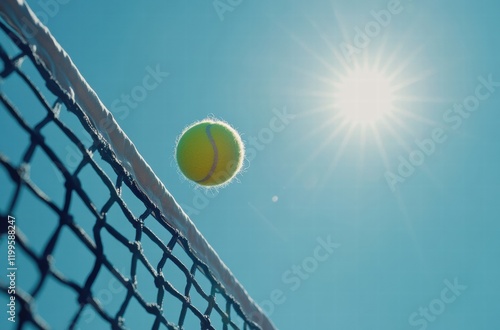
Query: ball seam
{"points": [[216, 155]]}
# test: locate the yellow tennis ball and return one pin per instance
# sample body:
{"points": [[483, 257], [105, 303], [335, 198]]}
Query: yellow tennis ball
{"points": [[210, 152]]}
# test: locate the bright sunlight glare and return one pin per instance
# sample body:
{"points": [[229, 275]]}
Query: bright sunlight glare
{"points": [[364, 96]]}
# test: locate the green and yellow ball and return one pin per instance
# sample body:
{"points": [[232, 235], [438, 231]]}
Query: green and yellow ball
{"points": [[210, 153]]}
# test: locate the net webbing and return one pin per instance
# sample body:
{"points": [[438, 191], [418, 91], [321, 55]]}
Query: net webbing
{"points": [[224, 310]]}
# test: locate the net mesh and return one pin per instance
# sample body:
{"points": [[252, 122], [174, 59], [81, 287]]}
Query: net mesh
{"points": [[100, 225]]}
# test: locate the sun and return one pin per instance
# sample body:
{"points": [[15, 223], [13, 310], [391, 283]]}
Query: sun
{"points": [[363, 104], [364, 96]]}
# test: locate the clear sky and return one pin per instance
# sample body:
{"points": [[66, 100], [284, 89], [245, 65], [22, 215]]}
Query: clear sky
{"points": [[377, 220]]}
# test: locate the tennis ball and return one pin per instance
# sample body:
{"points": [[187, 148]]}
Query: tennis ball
{"points": [[210, 152]]}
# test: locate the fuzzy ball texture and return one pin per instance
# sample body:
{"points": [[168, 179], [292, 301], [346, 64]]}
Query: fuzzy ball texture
{"points": [[210, 152]]}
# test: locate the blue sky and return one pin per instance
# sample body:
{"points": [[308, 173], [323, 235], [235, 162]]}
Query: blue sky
{"points": [[421, 252]]}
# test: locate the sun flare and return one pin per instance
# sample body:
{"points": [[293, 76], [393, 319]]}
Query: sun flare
{"points": [[363, 96], [366, 103]]}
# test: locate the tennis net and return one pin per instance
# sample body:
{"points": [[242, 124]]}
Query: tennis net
{"points": [[171, 273]]}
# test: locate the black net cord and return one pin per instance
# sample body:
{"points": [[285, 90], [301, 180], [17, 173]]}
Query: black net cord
{"points": [[22, 182]]}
